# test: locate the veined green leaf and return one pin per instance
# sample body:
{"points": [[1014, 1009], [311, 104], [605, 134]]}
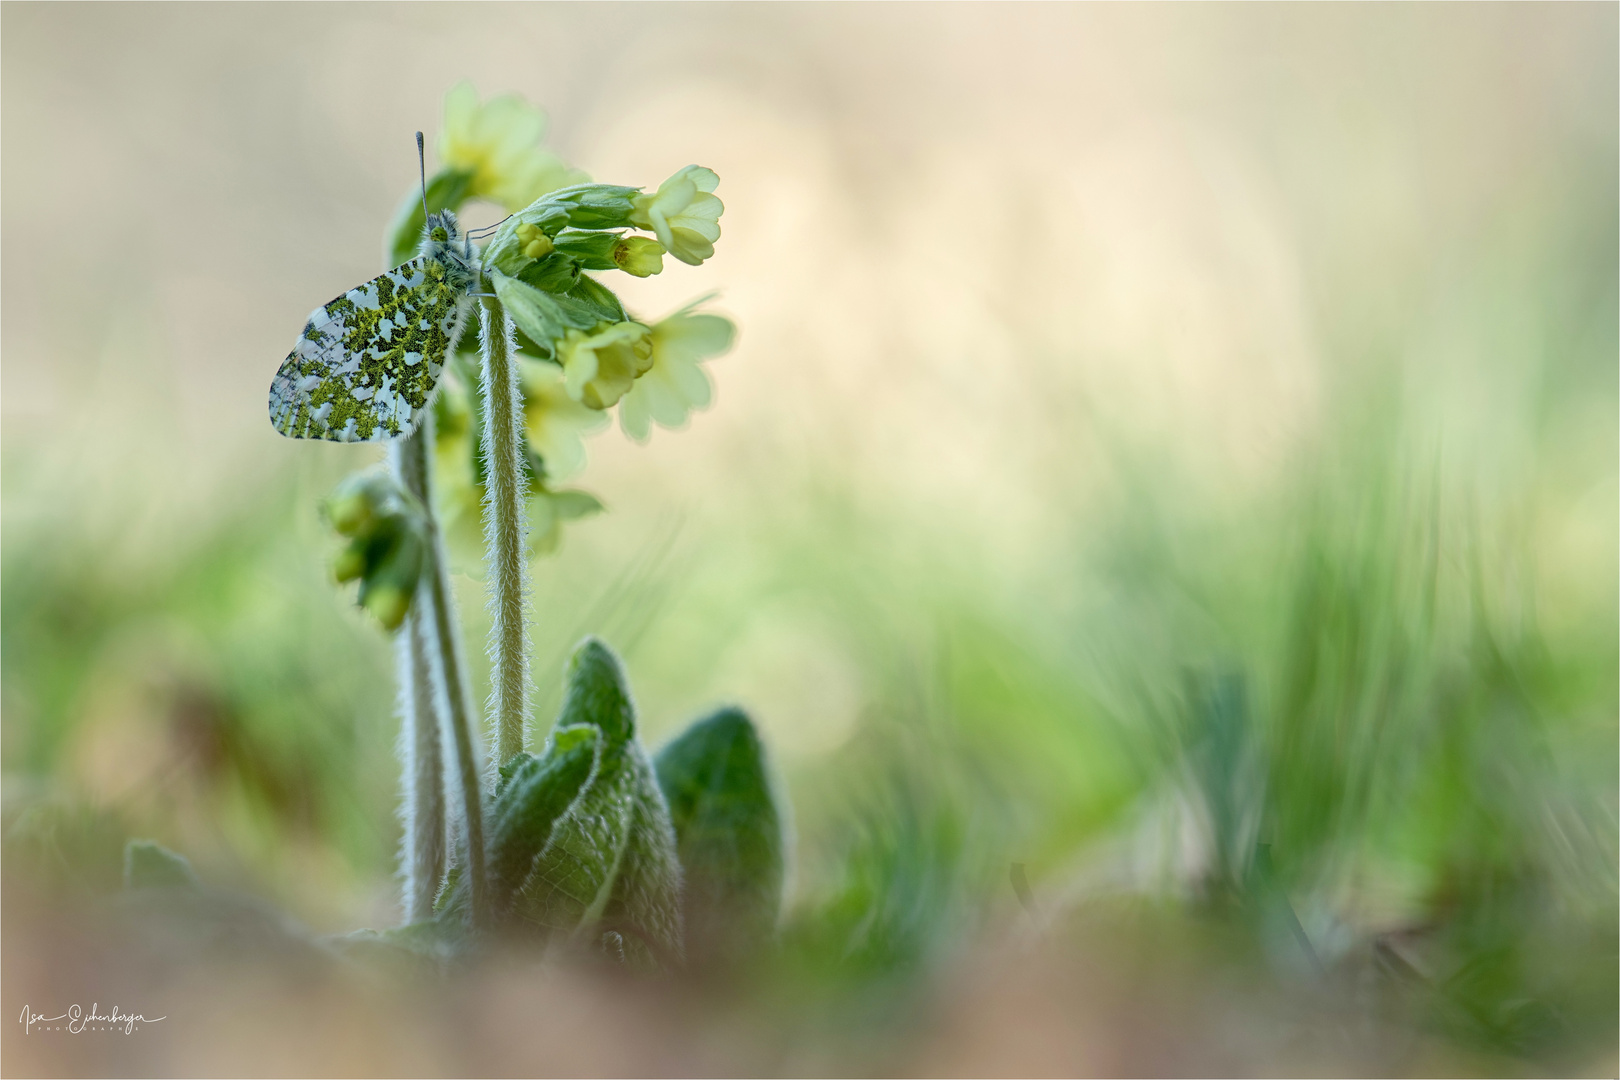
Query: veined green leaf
{"points": [[421, 948], [729, 833], [572, 880], [534, 793], [610, 863], [645, 908], [598, 693]]}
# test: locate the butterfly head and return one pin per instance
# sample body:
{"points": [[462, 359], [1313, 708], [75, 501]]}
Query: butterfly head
{"points": [[441, 227], [443, 242]]}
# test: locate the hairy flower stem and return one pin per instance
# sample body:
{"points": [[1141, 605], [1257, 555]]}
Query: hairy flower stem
{"points": [[461, 727], [421, 735], [506, 489]]}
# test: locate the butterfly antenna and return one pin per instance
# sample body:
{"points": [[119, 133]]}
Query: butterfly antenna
{"points": [[421, 168], [490, 228]]}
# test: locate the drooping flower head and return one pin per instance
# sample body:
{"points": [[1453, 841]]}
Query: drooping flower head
{"points": [[600, 365], [684, 213]]}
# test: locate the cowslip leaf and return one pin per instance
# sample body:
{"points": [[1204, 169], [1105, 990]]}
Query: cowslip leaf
{"points": [[535, 792], [729, 832], [610, 863]]}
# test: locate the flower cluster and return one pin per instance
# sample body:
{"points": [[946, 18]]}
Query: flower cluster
{"points": [[649, 370], [387, 534], [584, 355]]}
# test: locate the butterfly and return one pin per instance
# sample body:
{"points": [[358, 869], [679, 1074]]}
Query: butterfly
{"points": [[366, 365]]}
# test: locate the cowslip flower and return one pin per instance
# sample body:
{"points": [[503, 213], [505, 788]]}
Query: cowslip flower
{"points": [[387, 530], [555, 423], [601, 365], [536, 244], [684, 213], [674, 384], [639, 256], [498, 143]]}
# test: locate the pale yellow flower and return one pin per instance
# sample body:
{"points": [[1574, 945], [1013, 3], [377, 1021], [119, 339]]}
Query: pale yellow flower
{"points": [[556, 423], [684, 213], [599, 366], [674, 384], [498, 142], [555, 426], [639, 256]]}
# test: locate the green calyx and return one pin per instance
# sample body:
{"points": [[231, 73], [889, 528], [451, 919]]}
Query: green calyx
{"points": [[387, 549], [581, 207]]}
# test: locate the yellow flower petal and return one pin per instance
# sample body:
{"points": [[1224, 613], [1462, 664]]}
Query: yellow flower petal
{"points": [[555, 422], [674, 384], [498, 143]]}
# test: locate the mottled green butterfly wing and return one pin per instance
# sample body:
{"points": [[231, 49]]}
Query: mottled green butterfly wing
{"points": [[367, 363]]}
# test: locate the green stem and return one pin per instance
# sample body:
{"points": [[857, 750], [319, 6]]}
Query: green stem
{"points": [[461, 728], [506, 489], [421, 738]]}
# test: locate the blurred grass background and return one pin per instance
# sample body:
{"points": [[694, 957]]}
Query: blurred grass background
{"points": [[1171, 449]]}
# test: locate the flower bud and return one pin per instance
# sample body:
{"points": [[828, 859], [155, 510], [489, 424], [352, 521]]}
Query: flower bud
{"points": [[684, 213], [387, 547], [639, 256], [350, 512], [536, 244], [387, 602], [350, 563]]}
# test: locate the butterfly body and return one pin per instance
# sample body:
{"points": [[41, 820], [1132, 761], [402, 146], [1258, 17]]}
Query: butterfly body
{"points": [[366, 365]]}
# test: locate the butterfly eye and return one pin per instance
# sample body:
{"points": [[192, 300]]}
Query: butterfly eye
{"points": [[439, 233]]}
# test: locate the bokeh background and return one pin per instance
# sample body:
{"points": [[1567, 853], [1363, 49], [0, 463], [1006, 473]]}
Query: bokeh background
{"points": [[1171, 449]]}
